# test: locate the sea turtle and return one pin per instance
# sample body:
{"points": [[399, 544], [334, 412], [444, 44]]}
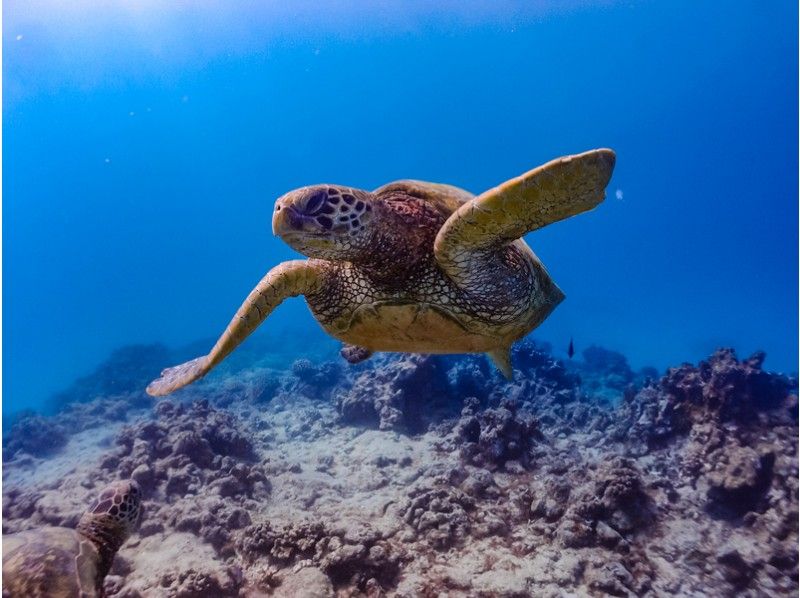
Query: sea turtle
{"points": [[60, 562], [415, 266]]}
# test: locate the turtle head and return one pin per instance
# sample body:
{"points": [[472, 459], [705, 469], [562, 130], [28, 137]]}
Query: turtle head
{"points": [[113, 516], [325, 221]]}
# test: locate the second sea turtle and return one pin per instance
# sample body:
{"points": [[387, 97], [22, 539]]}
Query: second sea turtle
{"points": [[61, 562]]}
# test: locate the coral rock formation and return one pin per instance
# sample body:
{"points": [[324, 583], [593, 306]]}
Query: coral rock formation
{"points": [[431, 476]]}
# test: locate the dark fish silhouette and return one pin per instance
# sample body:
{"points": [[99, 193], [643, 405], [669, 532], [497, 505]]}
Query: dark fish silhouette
{"points": [[571, 350]]}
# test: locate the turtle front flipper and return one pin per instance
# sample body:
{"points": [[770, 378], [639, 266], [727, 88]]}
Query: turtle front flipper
{"points": [[288, 279], [554, 191]]}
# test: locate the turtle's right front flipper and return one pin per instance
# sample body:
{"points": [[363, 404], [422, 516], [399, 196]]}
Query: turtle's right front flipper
{"points": [[288, 279]]}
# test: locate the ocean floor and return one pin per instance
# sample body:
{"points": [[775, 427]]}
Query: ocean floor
{"points": [[421, 476]]}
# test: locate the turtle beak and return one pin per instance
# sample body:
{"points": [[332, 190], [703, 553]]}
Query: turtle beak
{"points": [[298, 231], [286, 219]]}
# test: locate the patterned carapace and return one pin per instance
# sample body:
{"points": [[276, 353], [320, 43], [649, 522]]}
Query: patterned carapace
{"points": [[415, 266]]}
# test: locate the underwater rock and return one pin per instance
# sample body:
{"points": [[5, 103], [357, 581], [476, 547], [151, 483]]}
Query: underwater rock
{"points": [[248, 387], [401, 393], [199, 584], [610, 364], [541, 382], [610, 508], [491, 437], [410, 393], [102, 410], [196, 466], [551, 502], [182, 434], [33, 434], [739, 479], [725, 388], [352, 559], [472, 376], [612, 579], [438, 514], [541, 486], [284, 545], [316, 381], [719, 390], [606, 374], [535, 361], [43, 435], [18, 504], [308, 581]]}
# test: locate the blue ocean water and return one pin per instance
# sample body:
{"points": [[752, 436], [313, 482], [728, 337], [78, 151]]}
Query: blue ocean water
{"points": [[144, 145]]}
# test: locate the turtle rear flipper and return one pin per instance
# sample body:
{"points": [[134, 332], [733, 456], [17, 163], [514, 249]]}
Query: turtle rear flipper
{"points": [[501, 358], [288, 279], [355, 354], [554, 191]]}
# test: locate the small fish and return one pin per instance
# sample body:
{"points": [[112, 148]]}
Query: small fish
{"points": [[571, 349]]}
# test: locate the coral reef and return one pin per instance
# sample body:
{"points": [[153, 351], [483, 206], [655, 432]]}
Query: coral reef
{"points": [[439, 514], [33, 434], [493, 436], [356, 558], [604, 512], [197, 469], [720, 390], [415, 475], [399, 394], [315, 381]]}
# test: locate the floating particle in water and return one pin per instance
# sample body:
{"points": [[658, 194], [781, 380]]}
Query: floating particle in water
{"points": [[107, 160], [619, 194], [131, 113], [19, 37], [185, 99]]}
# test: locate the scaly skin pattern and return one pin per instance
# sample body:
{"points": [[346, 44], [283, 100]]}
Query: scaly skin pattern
{"points": [[64, 563], [396, 271], [414, 266]]}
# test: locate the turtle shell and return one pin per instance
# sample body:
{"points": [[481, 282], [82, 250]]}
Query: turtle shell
{"points": [[55, 562]]}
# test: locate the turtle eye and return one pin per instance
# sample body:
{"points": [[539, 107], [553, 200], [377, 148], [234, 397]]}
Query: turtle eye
{"points": [[315, 202]]}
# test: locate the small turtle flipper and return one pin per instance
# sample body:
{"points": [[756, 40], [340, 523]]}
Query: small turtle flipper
{"points": [[288, 279], [559, 189]]}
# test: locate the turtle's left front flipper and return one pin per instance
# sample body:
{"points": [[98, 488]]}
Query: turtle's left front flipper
{"points": [[288, 279], [554, 191]]}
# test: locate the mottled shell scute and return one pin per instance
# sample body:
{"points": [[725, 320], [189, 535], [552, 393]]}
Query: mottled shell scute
{"points": [[54, 562]]}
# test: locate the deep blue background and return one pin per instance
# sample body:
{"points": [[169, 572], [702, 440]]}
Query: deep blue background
{"points": [[144, 147]]}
